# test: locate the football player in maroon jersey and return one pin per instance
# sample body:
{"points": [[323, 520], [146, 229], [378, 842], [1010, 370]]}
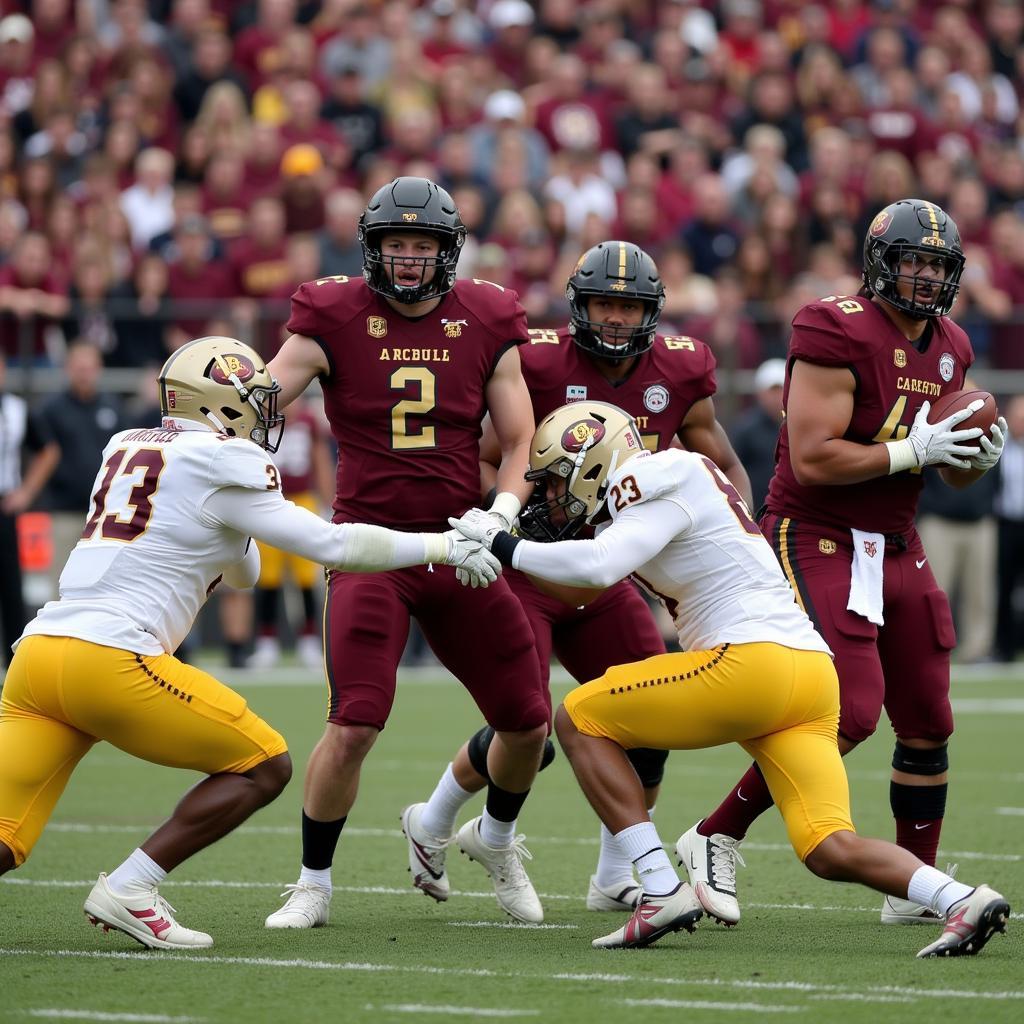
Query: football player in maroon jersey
{"points": [[862, 372], [611, 352], [410, 361]]}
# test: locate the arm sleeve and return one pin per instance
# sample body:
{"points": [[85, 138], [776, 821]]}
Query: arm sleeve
{"points": [[356, 547], [635, 537]]}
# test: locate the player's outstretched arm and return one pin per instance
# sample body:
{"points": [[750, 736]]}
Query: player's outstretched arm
{"points": [[355, 547], [299, 361]]}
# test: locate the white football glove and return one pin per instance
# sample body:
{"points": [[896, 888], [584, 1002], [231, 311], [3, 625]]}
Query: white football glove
{"points": [[991, 450], [474, 565], [502, 513], [477, 526], [932, 444]]}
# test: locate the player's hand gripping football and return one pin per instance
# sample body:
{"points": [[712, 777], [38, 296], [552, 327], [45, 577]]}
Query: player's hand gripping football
{"points": [[474, 565], [941, 443], [992, 449]]}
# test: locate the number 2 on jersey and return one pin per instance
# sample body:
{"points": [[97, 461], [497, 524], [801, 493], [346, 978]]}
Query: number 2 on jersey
{"points": [[403, 436], [130, 521]]}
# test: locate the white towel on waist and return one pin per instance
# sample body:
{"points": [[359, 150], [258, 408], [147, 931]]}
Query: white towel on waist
{"points": [[866, 576]]}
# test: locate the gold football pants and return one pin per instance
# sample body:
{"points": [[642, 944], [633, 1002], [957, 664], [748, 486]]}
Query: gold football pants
{"points": [[62, 695], [781, 705]]}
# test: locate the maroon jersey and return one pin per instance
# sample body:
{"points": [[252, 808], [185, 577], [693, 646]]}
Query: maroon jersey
{"points": [[294, 459], [893, 380], [668, 379], [405, 397]]}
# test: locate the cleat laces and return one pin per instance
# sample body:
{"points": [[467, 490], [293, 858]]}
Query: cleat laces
{"points": [[725, 855]]}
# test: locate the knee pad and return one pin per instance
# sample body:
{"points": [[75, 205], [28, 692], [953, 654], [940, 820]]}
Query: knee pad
{"points": [[649, 765], [480, 743], [913, 761]]}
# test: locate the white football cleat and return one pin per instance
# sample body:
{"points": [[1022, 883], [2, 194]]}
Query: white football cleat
{"points": [[654, 917], [621, 896], [711, 861], [426, 855], [970, 923], [307, 906], [144, 915], [512, 886], [897, 911]]}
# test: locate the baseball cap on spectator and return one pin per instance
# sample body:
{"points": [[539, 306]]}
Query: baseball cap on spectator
{"points": [[16, 28], [770, 374], [509, 13], [300, 159], [504, 105]]}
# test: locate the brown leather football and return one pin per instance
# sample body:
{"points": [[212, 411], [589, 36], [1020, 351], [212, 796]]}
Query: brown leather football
{"points": [[946, 405]]}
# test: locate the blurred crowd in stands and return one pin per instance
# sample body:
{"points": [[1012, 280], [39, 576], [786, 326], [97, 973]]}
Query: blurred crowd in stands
{"points": [[174, 168], [172, 163]]}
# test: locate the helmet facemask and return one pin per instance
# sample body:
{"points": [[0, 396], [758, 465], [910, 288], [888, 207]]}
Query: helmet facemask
{"points": [[436, 273], [223, 384], [886, 285], [577, 448]]}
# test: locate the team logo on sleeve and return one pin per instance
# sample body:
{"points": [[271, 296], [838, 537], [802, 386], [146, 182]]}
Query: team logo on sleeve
{"points": [[376, 326], [232, 364], [656, 398], [899, 357], [582, 432], [946, 367]]}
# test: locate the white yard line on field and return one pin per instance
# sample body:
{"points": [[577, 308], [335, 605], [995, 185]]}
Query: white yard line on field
{"points": [[142, 1018], [706, 1004], [511, 924], [454, 1011], [825, 991], [1012, 812]]}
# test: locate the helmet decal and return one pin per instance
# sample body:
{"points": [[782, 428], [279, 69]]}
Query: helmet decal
{"points": [[232, 364], [582, 434]]}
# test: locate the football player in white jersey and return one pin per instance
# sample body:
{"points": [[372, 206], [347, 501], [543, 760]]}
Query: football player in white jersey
{"points": [[753, 669], [172, 514]]}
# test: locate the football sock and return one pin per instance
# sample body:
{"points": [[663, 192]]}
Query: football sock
{"points": [[441, 810], [503, 805], [496, 834], [936, 890], [267, 600], [138, 871], [613, 865], [642, 844], [313, 876], [319, 841], [918, 811], [309, 615], [740, 809]]}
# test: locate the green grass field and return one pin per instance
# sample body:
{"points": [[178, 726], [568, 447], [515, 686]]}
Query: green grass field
{"points": [[804, 947]]}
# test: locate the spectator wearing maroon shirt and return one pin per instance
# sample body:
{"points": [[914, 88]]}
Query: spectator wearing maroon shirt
{"points": [[441, 45], [196, 282], [54, 24], [257, 258], [32, 298], [897, 123], [257, 49], [263, 158], [17, 63], [303, 124], [572, 118], [304, 181], [511, 22], [225, 197]]}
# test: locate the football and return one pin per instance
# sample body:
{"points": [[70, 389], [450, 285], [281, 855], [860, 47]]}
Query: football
{"points": [[946, 405]]}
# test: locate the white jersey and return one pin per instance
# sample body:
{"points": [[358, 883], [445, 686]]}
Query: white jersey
{"points": [[681, 530], [148, 558]]}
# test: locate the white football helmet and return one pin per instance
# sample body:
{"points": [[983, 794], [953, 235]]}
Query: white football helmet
{"points": [[582, 443], [223, 383]]}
